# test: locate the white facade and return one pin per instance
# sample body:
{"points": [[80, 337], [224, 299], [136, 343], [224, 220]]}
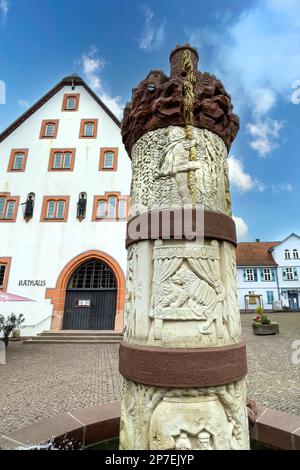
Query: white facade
{"points": [[40, 251], [284, 283]]}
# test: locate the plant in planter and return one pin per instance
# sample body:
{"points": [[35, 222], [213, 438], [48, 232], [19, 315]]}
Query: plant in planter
{"points": [[15, 335], [262, 325], [9, 324]]}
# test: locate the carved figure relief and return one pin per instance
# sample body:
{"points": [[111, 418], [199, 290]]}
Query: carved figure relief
{"points": [[184, 419], [175, 161], [163, 162], [186, 286], [183, 441], [131, 292]]}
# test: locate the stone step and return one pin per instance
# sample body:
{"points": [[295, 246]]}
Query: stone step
{"points": [[59, 338], [82, 333], [71, 340]]}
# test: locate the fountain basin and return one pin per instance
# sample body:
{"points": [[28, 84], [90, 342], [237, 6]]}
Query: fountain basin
{"points": [[97, 428]]}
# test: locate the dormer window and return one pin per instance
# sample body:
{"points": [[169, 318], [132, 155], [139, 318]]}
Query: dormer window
{"points": [[49, 129], [88, 128], [295, 254], [287, 254], [70, 102]]}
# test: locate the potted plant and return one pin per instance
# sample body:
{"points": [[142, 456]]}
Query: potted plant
{"points": [[9, 324], [15, 335], [262, 325]]}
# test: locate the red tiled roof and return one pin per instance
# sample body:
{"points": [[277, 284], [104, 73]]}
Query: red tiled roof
{"points": [[255, 254]]}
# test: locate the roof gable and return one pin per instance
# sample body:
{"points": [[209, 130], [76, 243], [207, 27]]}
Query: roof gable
{"points": [[287, 238], [72, 80]]}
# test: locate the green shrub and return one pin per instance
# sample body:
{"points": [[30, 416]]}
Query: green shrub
{"points": [[265, 320], [9, 324], [259, 310]]}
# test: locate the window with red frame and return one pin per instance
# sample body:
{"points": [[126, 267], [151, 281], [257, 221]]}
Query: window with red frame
{"points": [[8, 208]]}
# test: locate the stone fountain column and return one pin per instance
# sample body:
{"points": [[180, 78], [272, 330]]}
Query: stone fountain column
{"points": [[182, 359]]}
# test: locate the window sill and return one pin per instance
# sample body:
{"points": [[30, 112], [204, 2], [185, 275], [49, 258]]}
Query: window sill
{"points": [[108, 219], [60, 169], [54, 220]]}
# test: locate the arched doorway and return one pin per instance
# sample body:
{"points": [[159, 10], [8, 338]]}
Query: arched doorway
{"points": [[58, 293], [91, 298]]}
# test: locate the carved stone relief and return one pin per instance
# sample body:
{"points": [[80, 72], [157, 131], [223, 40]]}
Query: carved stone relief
{"points": [[132, 291], [161, 165], [160, 418], [185, 295], [187, 286]]}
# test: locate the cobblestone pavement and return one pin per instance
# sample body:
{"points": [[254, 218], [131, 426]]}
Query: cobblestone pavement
{"points": [[273, 380], [42, 380]]}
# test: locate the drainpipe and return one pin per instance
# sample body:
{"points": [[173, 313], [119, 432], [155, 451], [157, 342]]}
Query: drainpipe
{"points": [[277, 282]]}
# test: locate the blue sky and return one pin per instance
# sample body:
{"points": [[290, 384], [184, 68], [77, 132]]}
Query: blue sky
{"points": [[253, 47]]}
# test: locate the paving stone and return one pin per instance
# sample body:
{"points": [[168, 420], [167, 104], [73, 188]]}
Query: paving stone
{"points": [[43, 380], [273, 380]]}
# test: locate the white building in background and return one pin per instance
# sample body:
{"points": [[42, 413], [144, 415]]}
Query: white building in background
{"points": [[269, 274], [64, 160]]}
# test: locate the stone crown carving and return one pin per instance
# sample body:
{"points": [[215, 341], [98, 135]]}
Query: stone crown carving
{"points": [[158, 102]]}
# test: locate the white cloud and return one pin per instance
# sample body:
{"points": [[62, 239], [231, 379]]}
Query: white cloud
{"points": [[283, 187], [153, 35], [257, 56], [4, 7], [241, 180], [91, 66], [23, 104], [242, 230], [263, 101], [265, 135]]}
